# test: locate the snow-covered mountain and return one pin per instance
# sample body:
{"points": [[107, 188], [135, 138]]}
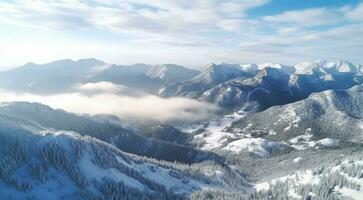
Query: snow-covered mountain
{"points": [[209, 77], [324, 66], [327, 118], [268, 87], [62, 75], [265, 86], [39, 162], [105, 128], [284, 68], [50, 77], [42, 163], [284, 132], [170, 73]]}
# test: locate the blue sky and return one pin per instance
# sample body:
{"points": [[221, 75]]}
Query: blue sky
{"points": [[192, 33]]}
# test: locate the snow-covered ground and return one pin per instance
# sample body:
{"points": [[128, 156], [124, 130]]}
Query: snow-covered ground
{"points": [[290, 116], [215, 136], [308, 177], [305, 141], [259, 146]]}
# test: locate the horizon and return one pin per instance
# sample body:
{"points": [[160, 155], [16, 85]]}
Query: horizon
{"points": [[199, 67]]}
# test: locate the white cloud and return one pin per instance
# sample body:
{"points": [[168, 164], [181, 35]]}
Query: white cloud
{"points": [[355, 13], [153, 16], [308, 17], [100, 87], [107, 102], [231, 24], [193, 32], [45, 15]]}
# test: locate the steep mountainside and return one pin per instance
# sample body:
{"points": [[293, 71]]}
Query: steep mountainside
{"points": [[40, 163], [105, 128], [170, 73], [209, 77], [268, 87], [285, 132], [326, 118], [273, 86]]}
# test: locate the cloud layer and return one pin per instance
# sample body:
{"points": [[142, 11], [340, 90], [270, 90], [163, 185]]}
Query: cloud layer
{"points": [[105, 99]]}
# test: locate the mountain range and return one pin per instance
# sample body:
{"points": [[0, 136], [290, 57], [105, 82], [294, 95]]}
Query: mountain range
{"points": [[281, 132]]}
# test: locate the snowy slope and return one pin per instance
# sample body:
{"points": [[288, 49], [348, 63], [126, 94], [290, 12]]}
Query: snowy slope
{"points": [[43, 163], [345, 178], [330, 119], [170, 73], [209, 77], [106, 128], [277, 86], [214, 135], [268, 87], [324, 66], [324, 119]]}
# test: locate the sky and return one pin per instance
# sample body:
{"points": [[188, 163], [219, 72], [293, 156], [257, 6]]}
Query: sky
{"points": [[192, 33]]}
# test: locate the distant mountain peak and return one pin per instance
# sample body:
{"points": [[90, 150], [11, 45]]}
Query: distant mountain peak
{"points": [[90, 60], [322, 66], [272, 72], [170, 73], [249, 67]]}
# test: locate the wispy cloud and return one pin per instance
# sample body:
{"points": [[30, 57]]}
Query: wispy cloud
{"points": [[308, 17], [154, 16], [193, 32], [354, 13]]}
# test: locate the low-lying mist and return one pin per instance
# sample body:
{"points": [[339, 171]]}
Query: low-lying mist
{"points": [[108, 98]]}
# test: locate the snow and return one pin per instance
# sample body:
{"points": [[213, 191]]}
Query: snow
{"points": [[305, 67], [344, 66], [273, 65], [157, 72], [346, 192], [293, 194], [262, 186], [327, 77], [296, 179], [59, 185], [272, 132], [301, 138], [94, 172], [303, 142], [215, 134], [289, 115], [299, 178], [329, 142], [249, 67], [162, 176], [322, 66], [360, 125], [216, 137], [296, 160], [259, 146]]}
